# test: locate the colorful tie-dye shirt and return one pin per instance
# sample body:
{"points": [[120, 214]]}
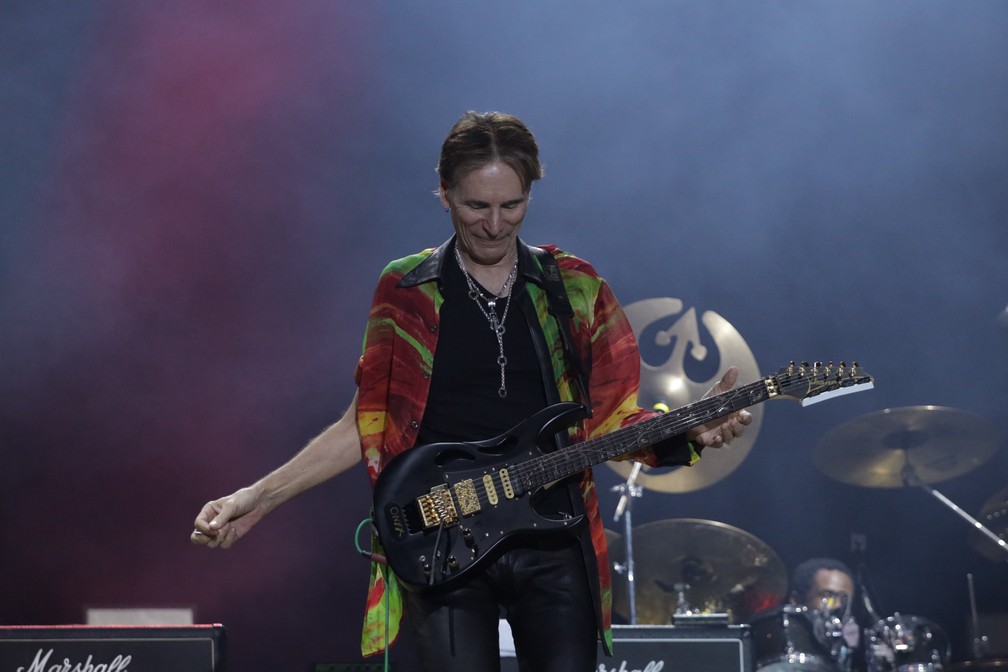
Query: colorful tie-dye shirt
{"points": [[394, 373]]}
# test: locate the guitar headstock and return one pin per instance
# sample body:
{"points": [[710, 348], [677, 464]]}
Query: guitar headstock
{"points": [[809, 384]]}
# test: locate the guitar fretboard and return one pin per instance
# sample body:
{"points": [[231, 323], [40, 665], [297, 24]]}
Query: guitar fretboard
{"points": [[554, 466]]}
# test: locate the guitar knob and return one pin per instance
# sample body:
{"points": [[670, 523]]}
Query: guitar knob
{"points": [[424, 565], [453, 562], [470, 541]]}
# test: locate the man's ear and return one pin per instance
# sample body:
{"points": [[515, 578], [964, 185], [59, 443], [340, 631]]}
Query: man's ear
{"points": [[443, 195]]}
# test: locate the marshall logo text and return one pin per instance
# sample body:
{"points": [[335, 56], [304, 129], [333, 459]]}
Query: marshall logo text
{"points": [[652, 666], [41, 664]]}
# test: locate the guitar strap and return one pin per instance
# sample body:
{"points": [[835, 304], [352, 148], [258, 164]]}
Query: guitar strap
{"points": [[560, 309]]}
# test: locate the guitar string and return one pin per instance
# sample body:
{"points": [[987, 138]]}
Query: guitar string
{"points": [[541, 470], [670, 424], [631, 438]]}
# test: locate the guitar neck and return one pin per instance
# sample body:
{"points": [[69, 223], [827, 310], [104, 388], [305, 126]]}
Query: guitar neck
{"points": [[562, 463]]}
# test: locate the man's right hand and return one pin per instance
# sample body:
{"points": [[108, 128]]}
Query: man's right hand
{"points": [[224, 521]]}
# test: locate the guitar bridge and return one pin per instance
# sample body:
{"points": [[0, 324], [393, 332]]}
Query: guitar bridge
{"points": [[437, 507]]}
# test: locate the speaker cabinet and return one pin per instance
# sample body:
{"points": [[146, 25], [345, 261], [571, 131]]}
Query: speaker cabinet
{"points": [[682, 648], [36, 648]]}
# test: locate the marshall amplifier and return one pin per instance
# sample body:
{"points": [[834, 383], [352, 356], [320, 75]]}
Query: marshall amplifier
{"points": [[673, 648], [83, 648]]}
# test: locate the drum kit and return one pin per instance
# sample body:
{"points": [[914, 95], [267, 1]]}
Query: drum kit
{"points": [[716, 573]]}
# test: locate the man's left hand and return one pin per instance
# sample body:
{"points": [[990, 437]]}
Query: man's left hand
{"points": [[722, 431]]}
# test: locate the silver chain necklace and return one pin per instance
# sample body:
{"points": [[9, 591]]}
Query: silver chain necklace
{"points": [[490, 312]]}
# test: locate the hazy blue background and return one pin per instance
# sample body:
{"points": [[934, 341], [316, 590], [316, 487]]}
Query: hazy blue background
{"points": [[196, 198]]}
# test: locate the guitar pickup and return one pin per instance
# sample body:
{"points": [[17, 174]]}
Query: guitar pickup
{"points": [[437, 508], [465, 493]]}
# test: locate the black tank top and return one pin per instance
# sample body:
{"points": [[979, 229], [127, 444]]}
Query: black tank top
{"points": [[463, 403]]}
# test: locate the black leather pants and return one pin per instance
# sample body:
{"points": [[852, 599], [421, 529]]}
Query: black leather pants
{"points": [[544, 594]]}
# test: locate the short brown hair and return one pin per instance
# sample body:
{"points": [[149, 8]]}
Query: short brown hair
{"points": [[480, 138]]}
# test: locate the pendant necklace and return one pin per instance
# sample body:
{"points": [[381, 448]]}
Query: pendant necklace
{"points": [[490, 311]]}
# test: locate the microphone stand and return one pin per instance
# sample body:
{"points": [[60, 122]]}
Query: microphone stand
{"points": [[910, 477], [980, 641], [629, 491]]}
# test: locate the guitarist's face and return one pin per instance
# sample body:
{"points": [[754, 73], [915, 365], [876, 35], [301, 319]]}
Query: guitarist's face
{"points": [[487, 207]]}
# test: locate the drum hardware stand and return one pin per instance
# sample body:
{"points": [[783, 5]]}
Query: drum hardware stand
{"points": [[628, 492], [682, 605], [910, 477], [684, 614], [832, 630], [859, 544], [980, 642]]}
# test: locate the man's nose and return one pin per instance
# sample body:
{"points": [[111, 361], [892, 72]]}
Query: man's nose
{"points": [[494, 221]]}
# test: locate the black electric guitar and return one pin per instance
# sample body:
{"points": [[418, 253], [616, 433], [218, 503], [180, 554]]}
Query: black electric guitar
{"points": [[440, 509]]}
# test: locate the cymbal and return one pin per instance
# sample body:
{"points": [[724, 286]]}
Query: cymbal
{"points": [[664, 330], [726, 569], [935, 442], [994, 516]]}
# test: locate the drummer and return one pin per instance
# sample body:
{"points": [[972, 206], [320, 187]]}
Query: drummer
{"points": [[825, 587]]}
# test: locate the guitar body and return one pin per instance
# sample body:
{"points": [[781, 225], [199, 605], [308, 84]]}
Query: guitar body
{"points": [[442, 508]]}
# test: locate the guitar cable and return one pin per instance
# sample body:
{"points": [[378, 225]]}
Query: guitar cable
{"points": [[437, 543], [379, 558], [369, 554]]}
